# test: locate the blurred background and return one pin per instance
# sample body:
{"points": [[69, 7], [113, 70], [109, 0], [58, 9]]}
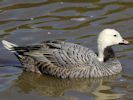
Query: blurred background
{"points": [[79, 21]]}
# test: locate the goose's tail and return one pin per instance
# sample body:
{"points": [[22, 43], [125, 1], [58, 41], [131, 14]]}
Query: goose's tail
{"points": [[9, 46]]}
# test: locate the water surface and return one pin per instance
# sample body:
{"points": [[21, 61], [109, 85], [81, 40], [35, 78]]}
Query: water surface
{"points": [[79, 21]]}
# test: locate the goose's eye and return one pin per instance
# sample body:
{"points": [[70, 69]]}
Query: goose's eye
{"points": [[115, 35]]}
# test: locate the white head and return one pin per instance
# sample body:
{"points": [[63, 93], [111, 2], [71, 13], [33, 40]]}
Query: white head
{"points": [[108, 37]]}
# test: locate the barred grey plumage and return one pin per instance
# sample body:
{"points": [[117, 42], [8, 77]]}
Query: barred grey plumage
{"points": [[66, 60]]}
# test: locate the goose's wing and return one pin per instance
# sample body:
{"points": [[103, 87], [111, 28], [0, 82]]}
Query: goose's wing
{"points": [[63, 54]]}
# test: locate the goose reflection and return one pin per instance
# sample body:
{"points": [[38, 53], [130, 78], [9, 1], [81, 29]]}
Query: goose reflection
{"points": [[51, 86]]}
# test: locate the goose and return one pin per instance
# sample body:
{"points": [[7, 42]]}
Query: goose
{"points": [[68, 60]]}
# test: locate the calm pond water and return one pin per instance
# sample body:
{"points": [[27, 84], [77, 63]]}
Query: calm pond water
{"points": [[79, 21]]}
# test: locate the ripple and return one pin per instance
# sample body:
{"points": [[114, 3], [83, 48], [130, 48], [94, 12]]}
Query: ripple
{"points": [[79, 21]]}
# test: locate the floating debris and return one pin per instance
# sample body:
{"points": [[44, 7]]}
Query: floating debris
{"points": [[78, 19]]}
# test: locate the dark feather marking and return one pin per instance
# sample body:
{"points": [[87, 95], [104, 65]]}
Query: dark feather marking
{"points": [[109, 53]]}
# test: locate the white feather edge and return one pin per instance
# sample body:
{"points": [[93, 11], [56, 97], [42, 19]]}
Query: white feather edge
{"points": [[8, 45]]}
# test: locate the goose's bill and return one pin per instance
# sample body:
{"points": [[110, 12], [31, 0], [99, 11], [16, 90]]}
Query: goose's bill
{"points": [[124, 42]]}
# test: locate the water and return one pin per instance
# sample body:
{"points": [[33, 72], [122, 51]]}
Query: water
{"points": [[79, 21]]}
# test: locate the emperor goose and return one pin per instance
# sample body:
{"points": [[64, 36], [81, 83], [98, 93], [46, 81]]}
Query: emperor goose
{"points": [[69, 60]]}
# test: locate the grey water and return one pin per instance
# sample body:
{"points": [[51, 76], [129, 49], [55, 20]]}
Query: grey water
{"points": [[26, 22]]}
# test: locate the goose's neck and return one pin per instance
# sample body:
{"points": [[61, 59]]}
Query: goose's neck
{"points": [[101, 50], [105, 53]]}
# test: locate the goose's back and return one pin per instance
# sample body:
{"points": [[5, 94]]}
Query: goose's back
{"points": [[67, 55]]}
